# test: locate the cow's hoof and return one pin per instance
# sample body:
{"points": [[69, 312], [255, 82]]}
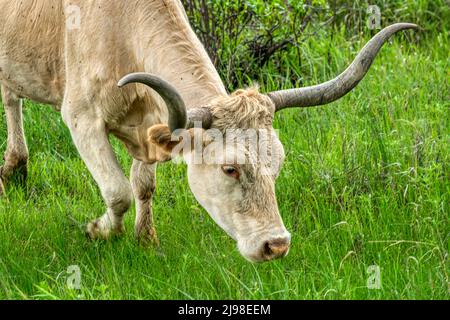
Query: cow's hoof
{"points": [[147, 237], [17, 175], [21, 174], [96, 231]]}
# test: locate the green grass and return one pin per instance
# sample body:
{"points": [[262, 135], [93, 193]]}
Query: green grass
{"points": [[366, 182]]}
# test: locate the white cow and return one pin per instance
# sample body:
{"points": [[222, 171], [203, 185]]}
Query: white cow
{"points": [[71, 54]]}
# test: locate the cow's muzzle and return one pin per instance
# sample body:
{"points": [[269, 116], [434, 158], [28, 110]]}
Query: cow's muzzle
{"points": [[276, 248], [267, 250]]}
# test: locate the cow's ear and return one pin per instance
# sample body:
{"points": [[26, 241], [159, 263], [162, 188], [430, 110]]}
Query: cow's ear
{"points": [[161, 136], [164, 145], [161, 143]]}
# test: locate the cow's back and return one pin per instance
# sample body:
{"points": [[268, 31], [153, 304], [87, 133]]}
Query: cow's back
{"points": [[31, 49]]}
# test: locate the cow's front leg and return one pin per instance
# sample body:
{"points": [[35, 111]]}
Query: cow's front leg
{"points": [[16, 155], [91, 139], [143, 182]]}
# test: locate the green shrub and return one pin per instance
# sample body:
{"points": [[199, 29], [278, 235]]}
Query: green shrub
{"points": [[244, 37]]}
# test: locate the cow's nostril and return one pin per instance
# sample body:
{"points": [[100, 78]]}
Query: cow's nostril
{"points": [[276, 248], [267, 249]]}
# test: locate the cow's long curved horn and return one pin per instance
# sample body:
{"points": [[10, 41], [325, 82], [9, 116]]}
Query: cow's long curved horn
{"points": [[337, 88], [174, 101]]}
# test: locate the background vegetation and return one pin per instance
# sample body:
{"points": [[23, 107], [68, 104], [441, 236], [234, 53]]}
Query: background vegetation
{"points": [[366, 181]]}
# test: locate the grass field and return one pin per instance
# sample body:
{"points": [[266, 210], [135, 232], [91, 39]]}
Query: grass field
{"points": [[366, 183]]}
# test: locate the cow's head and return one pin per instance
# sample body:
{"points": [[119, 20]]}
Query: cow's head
{"points": [[234, 155]]}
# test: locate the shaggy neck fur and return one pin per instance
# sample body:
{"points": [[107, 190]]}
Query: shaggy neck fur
{"points": [[244, 109]]}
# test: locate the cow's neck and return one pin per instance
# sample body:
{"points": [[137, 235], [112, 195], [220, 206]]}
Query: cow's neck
{"points": [[171, 49], [166, 46]]}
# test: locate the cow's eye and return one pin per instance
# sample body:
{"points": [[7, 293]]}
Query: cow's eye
{"points": [[231, 171]]}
